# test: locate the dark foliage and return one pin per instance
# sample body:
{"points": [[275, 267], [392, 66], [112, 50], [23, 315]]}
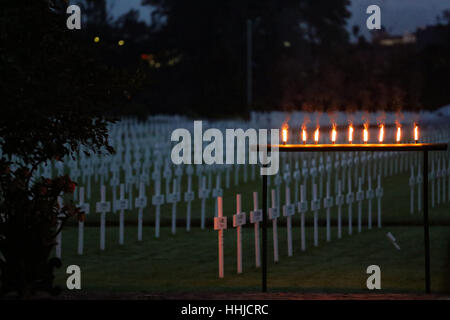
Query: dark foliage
{"points": [[55, 95]]}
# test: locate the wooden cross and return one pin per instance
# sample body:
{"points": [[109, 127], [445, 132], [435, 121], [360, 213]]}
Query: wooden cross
{"points": [[220, 224], [238, 221]]}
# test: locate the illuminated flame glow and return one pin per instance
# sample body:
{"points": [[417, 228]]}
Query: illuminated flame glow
{"points": [[316, 136], [365, 134], [416, 133], [304, 136], [333, 134], [381, 136], [350, 134], [285, 135], [399, 134]]}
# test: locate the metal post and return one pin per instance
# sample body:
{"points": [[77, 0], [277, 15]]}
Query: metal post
{"points": [[264, 235], [426, 224]]}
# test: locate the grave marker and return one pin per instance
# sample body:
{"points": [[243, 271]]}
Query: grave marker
{"points": [[273, 215], [102, 207], [220, 224], [256, 218], [238, 222]]}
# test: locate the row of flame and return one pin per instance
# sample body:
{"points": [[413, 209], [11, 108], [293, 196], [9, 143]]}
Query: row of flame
{"points": [[350, 134]]}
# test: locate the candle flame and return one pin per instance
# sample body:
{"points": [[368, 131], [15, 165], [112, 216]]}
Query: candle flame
{"points": [[316, 135], [399, 134], [333, 134], [350, 134], [416, 133], [365, 134], [285, 135], [304, 136], [381, 136]]}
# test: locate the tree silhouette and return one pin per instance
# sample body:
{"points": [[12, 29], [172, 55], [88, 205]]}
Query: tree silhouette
{"points": [[55, 95]]}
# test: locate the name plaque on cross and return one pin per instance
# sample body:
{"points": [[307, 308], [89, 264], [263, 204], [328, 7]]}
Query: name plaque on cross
{"points": [[315, 205], [122, 204], [239, 219], [158, 199], [173, 197], [328, 202], [189, 196], [203, 193], [360, 196], [350, 198], [288, 210], [103, 207], [256, 216], [84, 207], [220, 223], [140, 202], [217, 193], [273, 213]]}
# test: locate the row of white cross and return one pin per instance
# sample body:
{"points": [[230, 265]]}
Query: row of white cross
{"points": [[302, 207]]}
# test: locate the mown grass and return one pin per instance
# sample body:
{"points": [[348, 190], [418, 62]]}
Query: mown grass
{"points": [[187, 261]]}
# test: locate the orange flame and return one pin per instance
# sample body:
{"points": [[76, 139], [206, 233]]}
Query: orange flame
{"points": [[285, 135], [399, 134], [365, 134], [304, 135], [333, 134], [416, 133], [381, 136], [350, 133], [316, 136]]}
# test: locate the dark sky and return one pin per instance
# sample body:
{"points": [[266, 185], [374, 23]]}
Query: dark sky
{"points": [[398, 16]]}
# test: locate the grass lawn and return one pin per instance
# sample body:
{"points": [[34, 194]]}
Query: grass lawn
{"points": [[187, 262]]}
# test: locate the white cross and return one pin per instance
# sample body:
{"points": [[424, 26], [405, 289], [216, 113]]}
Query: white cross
{"points": [[255, 218], [302, 208], [84, 207], [339, 203], [157, 199], [122, 205], [369, 196], [203, 195], [189, 196], [327, 204], [273, 215], [102, 207], [173, 198], [288, 212], [217, 192], [359, 198], [140, 203], [412, 183], [315, 206], [350, 198], [379, 195]]}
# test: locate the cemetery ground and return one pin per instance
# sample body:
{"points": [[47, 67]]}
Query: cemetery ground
{"points": [[186, 263]]}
